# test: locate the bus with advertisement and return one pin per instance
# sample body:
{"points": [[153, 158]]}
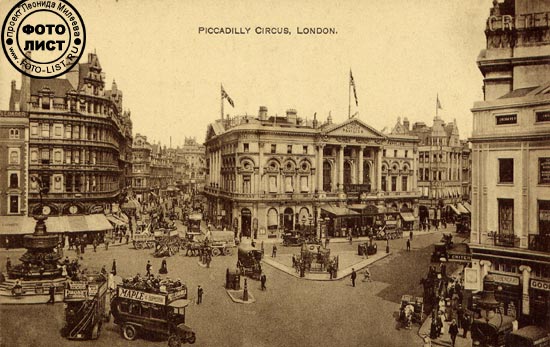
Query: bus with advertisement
{"points": [[85, 307], [140, 309]]}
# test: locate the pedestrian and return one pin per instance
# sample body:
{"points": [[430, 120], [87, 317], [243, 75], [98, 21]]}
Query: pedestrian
{"points": [[148, 268], [293, 261], [263, 279], [8, 264], [274, 251], [113, 268], [94, 244], [103, 270], [466, 323], [52, 294], [200, 293], [327, 240], [77, 250], [82, 246], [107, 243], [7, 243], [453, 331], [353, 277], [367, 275], [163, 267], [350, 238], [408, 245], [127, 238], [411, 235]]}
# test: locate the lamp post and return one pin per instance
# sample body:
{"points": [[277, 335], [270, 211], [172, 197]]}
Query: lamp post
{"points": [[488, 309]]}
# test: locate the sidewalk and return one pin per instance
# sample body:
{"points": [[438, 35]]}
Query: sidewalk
{"points": [[324, 276]]}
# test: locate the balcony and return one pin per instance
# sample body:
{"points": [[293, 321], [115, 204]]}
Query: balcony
{"points": [[75, 195], [504, 240], [540, 243]]}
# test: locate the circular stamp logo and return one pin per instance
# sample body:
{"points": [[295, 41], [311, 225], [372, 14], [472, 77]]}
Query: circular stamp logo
{"points": [[43, 39]]}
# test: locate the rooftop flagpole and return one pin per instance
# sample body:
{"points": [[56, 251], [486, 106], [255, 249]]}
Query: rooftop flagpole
{"points": [[221, 99], [349, 95]]}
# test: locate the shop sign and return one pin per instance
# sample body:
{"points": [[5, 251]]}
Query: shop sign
{"points": [[540, 285], [457, 257], [511, 280], [471, 279], [177, 295], [507, 119], [544, 170], [76, 293]]}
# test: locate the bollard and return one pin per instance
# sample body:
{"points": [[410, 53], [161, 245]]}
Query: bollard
{"points": [[245, 292]]}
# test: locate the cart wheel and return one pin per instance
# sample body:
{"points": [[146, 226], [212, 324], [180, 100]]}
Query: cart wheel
{"points": [[174, 341], [216, 252], [150, 244], [191, 338], [228, 251], [129, 332], [138, 245]]}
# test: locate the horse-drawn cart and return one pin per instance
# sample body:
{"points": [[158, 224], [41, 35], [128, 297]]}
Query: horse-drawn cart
{"points": [[222, 242], [411, 310], [167, 243], [143, 240]]}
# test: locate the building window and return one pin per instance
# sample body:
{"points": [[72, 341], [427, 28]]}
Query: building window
{"points": [[544, 170], [45, 130], [304, 187], [543, 116], [58, 130], [289, 184], [245, 147], [76, 132], [14, 180], [506, 171], [14, 204], [506, 216], [14, 156], [57, 157], [69, 183], [14, 134], [246, 184], [395, 153], [67, 156], [68, 129], [404, 181], [45, 156], [34, 156], [289, 149], [273, 184], [406, 154], [304, 148], [384, 153], [34, 129], [544, 218], [384, 183], [273, 148], [394, 183]]}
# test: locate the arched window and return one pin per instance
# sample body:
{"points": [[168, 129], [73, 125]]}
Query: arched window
{"points": [[14, 180]]}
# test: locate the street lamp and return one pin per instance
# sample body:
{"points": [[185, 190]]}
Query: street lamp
{"points": [[488, 309]]}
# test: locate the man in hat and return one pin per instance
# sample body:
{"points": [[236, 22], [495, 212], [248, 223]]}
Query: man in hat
{"points": [[353, 277], [148, 268], [200, 292], [113, 268], [263, 279]]}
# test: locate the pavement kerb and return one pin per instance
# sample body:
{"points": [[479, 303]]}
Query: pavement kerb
{"points": [[324, 277]]}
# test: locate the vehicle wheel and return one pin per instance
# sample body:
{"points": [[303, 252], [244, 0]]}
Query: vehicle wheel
{"points": [[129, 332], [228, 251], [216, 252], [139, 245], [174, 341], [150, 245], [191, 338]]}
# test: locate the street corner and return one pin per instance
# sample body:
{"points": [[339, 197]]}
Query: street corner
{"points": [[239, 296]]}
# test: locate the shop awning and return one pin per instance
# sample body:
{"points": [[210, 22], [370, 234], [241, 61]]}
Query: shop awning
{"points": [[454, 209], [56, 224], [357, 206], [407, 216], [467, 206], [115, 221], [16, 225], [462, 209], [86, 223], [98, 222], [338, 211]]}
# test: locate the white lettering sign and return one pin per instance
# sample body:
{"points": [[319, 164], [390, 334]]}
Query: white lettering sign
{"points": [[141, 296], [506, 279], [536, 284]]}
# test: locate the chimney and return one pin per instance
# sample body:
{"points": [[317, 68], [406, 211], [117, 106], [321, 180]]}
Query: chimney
{"points": [[262, 114], [406, 123], [315, 122], [291, 115]]}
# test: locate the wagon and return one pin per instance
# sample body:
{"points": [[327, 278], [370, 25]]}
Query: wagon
{"points": [[222, 242], [248, 262], [411, 310], [143, 240]]}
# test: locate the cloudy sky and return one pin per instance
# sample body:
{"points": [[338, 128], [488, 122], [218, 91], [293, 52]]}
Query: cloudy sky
{"points": [[402, 53]]}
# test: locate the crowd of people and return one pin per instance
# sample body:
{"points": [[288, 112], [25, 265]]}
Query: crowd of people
{"points": [[153, 284]]}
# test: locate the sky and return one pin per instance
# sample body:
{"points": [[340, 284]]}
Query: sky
{"points": [[402, 54]]}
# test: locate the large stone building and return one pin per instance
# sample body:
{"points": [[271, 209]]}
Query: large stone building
{"points": [[511, 161], [141, 168], [14, 141], [189, 165], [440, 160], [269, 173], [79, 140]]}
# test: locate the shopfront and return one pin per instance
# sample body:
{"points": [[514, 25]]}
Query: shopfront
{"points": [[508, 293], [341, 221], [539, 293]]}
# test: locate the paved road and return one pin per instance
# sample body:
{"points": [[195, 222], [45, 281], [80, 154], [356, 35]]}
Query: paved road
{"points": [[292, 312]]}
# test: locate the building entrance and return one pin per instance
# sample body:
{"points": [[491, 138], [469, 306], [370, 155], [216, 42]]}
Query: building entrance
{"points": [[246, 221]]}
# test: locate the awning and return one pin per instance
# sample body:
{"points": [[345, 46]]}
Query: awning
{"points": [[454, 209], [98, 222], [115, 221], [338, 211], [462, 209], [391, 222], [86, 223], [467, 206], [407, 216], [56, 224], [16, 225]]}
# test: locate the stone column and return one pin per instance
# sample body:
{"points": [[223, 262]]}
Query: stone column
{"points": [[379, 170], [484, 270], [526, 277], [320, 168], [360, 164], [341, 168], [259, 186]]}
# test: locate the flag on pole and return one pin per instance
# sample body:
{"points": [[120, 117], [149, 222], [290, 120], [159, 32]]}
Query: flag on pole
{"points": [[352, 83], [225, 96], [438, 105]]}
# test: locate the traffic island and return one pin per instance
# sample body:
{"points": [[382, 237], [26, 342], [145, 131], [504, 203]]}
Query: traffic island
{"points": [[237, 296]]}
